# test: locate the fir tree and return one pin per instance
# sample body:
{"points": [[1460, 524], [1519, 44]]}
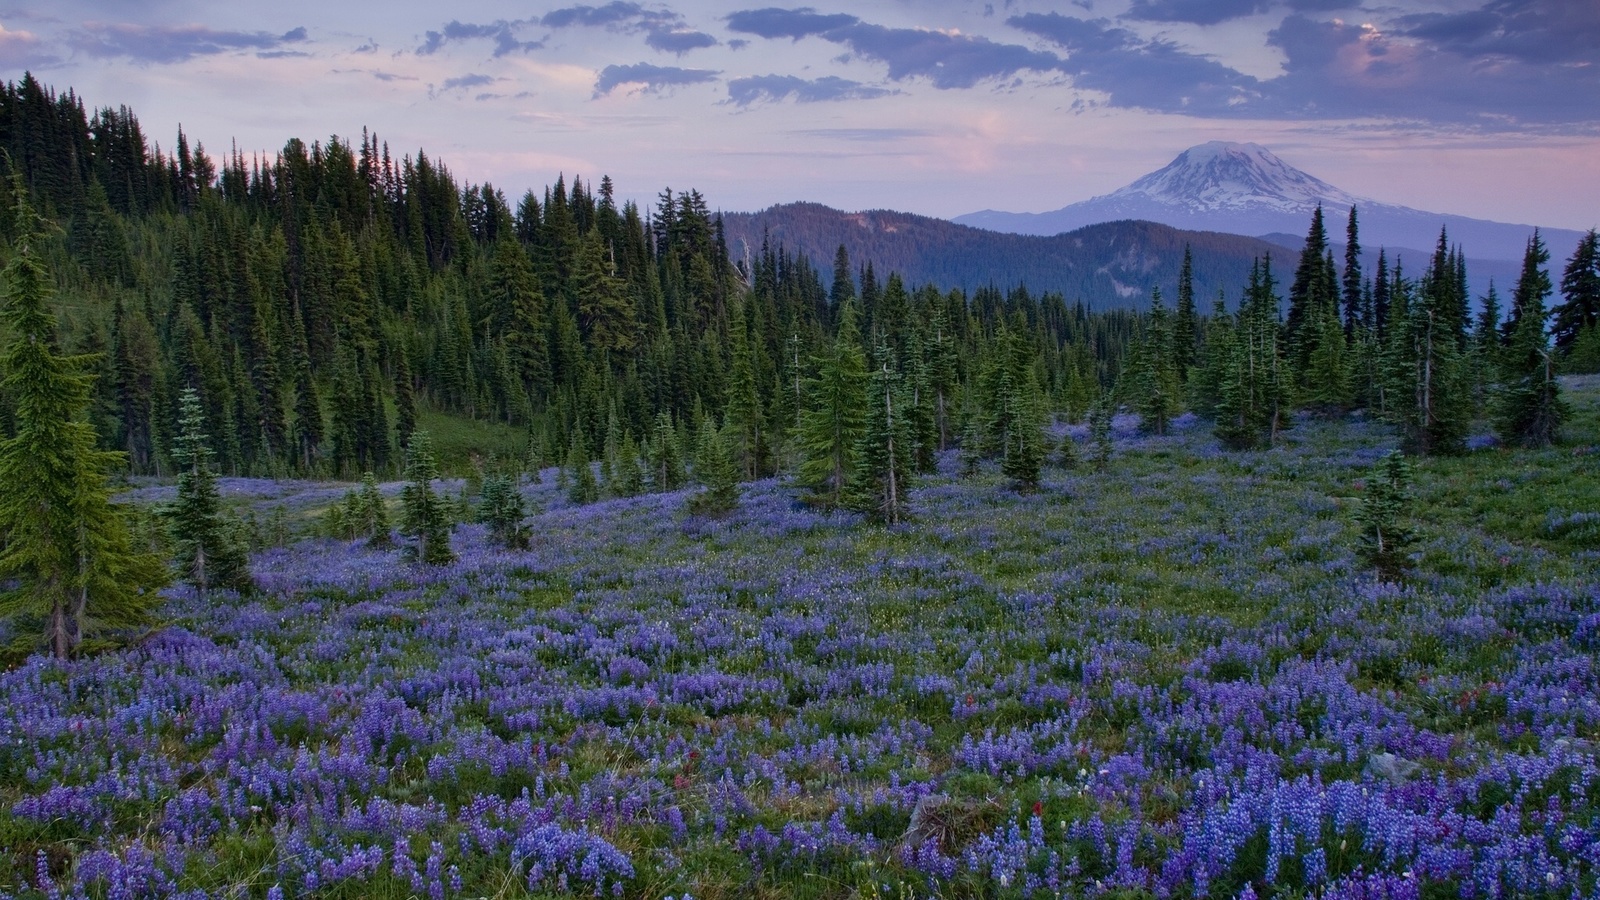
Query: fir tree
{"points": [[1185, 322], [66, 561], [884, 459], [209, 550], [1100, 432], [1384, 534], [835, 416], [1016, 420], [1530, 411], [1351, 281], [1580, 291], [714, 469], [374, 513], [425, 515], [1153, 390], [1429, 394], [582, 486], [665, 455], [500, 507]]}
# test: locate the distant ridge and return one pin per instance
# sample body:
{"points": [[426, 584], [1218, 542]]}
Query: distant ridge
{"points": [[1243, 188], [1107, 265]]}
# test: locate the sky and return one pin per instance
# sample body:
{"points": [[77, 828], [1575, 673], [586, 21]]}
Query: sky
{"points": [[1484, 108]]}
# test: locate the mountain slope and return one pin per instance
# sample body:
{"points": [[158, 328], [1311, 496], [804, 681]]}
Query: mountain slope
{"points": [[1105, 265], [1245, 189]]}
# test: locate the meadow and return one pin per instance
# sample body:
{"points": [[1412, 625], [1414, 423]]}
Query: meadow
{"points": [[1173, 678]]}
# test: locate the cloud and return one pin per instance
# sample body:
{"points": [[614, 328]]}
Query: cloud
{"points": [[678, 41], [1136, 73], [174, 43], [466, 81], [503, 32], [664, 30], [23, 49], [653, 78], [1199, 12], [868, 135], [947, 59], [614, 13], [1532, 31], [787, 23], [1498, 68], [746, 91]]}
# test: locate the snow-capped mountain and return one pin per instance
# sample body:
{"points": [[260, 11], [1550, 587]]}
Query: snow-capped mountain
{"points": [[1227, 176], [1242, 188]]}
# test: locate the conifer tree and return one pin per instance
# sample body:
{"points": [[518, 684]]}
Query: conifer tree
{"points": [[1185, 322], [1580, 292], [1100, 416], [1429, 396], [582, 486], [1530, 411], [1253, 395], [1351, 281], [425, 515], [210, 553], [374, 514], [1016, 420], [714, 469], [665, 455], [1216, 354], [500, 507], [884, 458], [1152, 388], [1326, 383], [835, 416], [1384, 535], [67, 564]]}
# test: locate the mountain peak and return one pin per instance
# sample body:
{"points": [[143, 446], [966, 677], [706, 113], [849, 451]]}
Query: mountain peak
{"points": [[1223, 175]]}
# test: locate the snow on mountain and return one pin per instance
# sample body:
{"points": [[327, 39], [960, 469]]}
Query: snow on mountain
{"points": [[1222, 175], [1243, 188]]}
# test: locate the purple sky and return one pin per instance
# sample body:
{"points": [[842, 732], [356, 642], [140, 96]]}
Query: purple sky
{"points": [[940, 107]]}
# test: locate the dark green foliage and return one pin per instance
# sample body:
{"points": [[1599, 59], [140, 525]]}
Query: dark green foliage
{"points": [[714, 469], [582, 486], [210, 551], [373, 514], [1529, 410], [1185, 320], [835, 415], [1100, 432], [885, 451], [1429, 390], [425, 515], [1385, 537], [1253, 390], [665, 456], [67, 564], [1580, 291], [500, 507], [1152, 381], [1015, 427]]}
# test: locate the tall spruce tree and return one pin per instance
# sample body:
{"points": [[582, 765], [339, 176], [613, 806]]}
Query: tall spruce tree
{"points": [[715, 470], [1185, 321], [67, 564], [884, 456], [1580, 292], [1530, 411], [1429, 395], [835, 414], [210, 552], [425, 515], [1153, 382]]}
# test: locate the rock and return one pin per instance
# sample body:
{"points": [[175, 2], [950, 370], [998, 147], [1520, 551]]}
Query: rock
{"points": [[1391, 768]]}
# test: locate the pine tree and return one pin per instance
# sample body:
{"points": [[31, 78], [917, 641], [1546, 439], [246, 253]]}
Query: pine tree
{"points": [[835, 416], [500, 507], [1016, 419], [374, 514], [1351, 282], [583, 488], [66, 560], [1253, 395], [714, 469], [1580, 291], [1185, 322], [1530, 411], [1384, 534], [1100, 431], [1153, 390], [665, 455], [210, 553], [425, 515], [884, 457], [1429, 393]]}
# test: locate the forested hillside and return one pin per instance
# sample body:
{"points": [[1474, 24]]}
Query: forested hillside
{"points": [[318, 299], [1108, 265]]}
